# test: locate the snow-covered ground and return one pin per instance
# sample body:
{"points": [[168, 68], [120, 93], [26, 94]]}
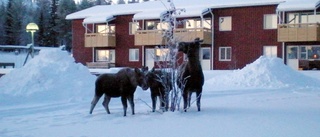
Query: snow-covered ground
{"points": [[50, 96]]}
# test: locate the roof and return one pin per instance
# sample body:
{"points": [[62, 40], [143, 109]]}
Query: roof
{"points": [[298, 5], [153, 9]]}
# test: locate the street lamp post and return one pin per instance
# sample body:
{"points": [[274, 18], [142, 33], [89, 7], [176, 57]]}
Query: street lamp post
{"points": [[32, 27]]}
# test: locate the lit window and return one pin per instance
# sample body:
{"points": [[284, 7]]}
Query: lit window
{"points": [[308, 17], [105, 55], [270, 51], [225, 54], [162, 54], [151, 25], [156, 25], [198, 23], [133, 27], [105, 28], [270, 21], [133, 54], [225, 23]]}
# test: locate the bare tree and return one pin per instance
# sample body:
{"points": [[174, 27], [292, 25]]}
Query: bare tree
{"points": [[169, 17]]}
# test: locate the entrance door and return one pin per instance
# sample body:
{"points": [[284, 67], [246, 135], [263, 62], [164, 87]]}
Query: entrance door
{"points": [[205, 56], [292, 57], [149, 58]]}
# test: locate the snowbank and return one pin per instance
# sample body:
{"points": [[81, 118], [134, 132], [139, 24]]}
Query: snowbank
{"points": [[265, 72], [52, 76]]}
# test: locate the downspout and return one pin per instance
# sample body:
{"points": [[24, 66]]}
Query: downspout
{"points": [[142, 47], [212, 39], [85, 26], [93, 27], [283, 43], [92, 54]]}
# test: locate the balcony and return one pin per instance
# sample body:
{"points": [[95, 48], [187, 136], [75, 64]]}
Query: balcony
{"points": [[298, 32], [149, 37], [155, 37], [191, 33], [100, 40]]}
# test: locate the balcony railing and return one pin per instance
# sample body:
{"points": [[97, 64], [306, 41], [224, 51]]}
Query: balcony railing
{"points": [[299, 32], [156, 37], [149, 37], [100, 40], [192, 33]]}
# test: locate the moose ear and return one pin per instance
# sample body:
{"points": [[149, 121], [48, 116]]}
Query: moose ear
{"points": [[136, 70], [197, 40]]}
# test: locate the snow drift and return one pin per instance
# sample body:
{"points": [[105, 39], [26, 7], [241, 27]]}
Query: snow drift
{"points": [[53, 76], [265, 72]]}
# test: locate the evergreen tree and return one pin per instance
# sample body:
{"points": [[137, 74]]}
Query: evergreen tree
{"points": [[121, 2], [65, 35], [108, 2], [84, 4], [9, 24], [133, 1], [52, 41], [2, 22], [15, 13], [100, 2], [43, 15]]}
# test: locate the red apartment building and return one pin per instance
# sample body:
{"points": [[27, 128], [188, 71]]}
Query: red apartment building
{"points": [[235, 33]]}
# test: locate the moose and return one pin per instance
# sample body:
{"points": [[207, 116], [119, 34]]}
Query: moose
{"points": [[190, 76], [122, 84], [160, 85]]}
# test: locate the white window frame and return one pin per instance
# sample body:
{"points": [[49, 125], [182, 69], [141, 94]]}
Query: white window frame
{"points": [[270, 51], [161, 54], [111, 53], [133, 54], [198, 23], [225, 23], [104, 28], [225, 50], [304, 17], [133, 27], [157, 25], [270, 21]]}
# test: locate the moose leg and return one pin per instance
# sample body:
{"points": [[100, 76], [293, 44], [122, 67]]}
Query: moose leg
{"points": [[105, 103], [154, 102], [94, 102], [166, 97], [185, 101], [167, 101], [198, 100], [124, 104], [189, 98], [130, 99]]}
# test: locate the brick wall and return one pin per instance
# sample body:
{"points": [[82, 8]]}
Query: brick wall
{"points": [[247, 37], [124, 42], [80, 53]]}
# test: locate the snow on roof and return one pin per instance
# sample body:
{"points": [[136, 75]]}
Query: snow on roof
{"points": [[98, 19], [298, 5], [120, 9], [153, 9]]}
